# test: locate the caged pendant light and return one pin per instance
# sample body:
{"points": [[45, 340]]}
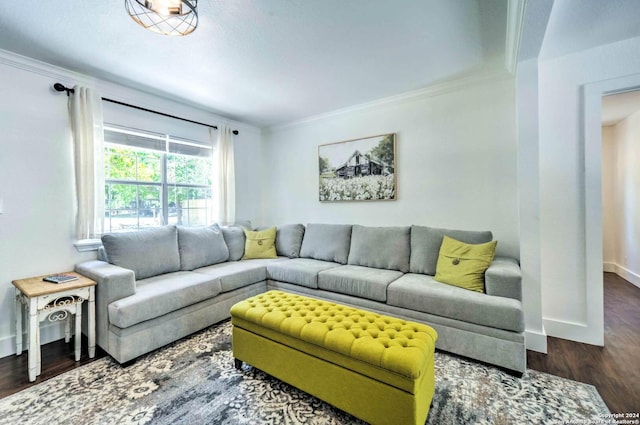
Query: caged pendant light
{"points": [[169, 17]]}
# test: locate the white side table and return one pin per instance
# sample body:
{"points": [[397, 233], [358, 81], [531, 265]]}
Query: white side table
{"points": [[54, 302]]}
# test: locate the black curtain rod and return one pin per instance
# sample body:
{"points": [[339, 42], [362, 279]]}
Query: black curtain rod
{"points": [[60, 87]]}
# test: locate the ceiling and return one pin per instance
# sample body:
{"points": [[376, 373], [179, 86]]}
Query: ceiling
{"points": [[576, 25], [268, 62]]}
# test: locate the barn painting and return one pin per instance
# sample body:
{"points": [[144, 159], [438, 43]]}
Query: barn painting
{"points": [[359, 164], [360, 169]]}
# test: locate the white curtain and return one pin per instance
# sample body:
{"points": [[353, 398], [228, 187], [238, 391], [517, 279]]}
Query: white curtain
{"points": [[224, 177], [85, 111]]}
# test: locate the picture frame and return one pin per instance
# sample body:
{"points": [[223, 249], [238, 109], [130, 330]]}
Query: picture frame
{"points": [[362, 169]]}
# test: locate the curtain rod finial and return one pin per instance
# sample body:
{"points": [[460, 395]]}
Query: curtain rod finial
{"points": [[60, 87]]}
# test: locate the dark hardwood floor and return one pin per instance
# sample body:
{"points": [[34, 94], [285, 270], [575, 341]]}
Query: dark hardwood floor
{"points": [[613, 369], [57, 357]]}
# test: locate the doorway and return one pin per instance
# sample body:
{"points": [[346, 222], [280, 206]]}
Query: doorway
{"points": [[620, 188], [593, 222]]}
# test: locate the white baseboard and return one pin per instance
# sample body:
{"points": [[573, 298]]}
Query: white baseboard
{"points": [[623, 272], [48, 333], [536, 341], [578, 332], [7, 346]]}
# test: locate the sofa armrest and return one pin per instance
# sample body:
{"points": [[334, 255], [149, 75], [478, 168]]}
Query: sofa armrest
{"points": [[113, 282], [503, 278]]}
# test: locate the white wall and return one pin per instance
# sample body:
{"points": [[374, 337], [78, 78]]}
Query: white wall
{"points": [[621, 198], [529, 201], [457, 168], [36, 174], [609, 195], [456, 164], [571, 308]]}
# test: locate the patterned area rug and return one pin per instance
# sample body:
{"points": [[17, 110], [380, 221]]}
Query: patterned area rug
{"points": [[193, 381]]}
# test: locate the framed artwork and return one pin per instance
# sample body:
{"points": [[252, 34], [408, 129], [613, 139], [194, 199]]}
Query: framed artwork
{"points": [[358, 170]]}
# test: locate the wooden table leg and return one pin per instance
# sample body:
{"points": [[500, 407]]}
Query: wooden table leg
{"points": [[78, 337], [38, 349], [18, 322], [92, 322], [33, 339], [67, 329]]}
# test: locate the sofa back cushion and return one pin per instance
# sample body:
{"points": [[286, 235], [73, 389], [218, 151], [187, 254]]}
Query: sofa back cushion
{"points": [[201, 246], [426, 242], [148, 252], [381, 247], [289, 240], [327, 242], [235, 240]]}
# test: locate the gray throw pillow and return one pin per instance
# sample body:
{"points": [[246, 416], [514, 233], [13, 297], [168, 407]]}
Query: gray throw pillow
{"points": [[381, 247], [327, 242], [289, 240], [201, 246], [148, 252], [235, 240], [426, 242], [102, 254]]}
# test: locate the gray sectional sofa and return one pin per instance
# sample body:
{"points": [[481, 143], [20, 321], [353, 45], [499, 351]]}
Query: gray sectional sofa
{"points": [[158, 285]]}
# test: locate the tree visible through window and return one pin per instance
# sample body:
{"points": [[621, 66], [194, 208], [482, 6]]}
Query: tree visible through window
{"points": [[153, 179]]}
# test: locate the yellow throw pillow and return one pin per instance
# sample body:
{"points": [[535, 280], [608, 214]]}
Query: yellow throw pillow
{"points": [[463, 264], [261, 244]]}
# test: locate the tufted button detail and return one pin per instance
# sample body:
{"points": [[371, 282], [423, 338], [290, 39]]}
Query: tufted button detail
{"points": [[346, 325]]}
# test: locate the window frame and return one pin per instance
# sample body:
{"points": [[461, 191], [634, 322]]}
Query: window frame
{"points": [[163, 184]]}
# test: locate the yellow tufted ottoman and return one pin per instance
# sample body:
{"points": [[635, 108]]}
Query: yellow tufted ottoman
{"points": [[378, 368]]}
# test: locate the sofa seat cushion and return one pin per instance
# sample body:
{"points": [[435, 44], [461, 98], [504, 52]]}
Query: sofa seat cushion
{"points": [[162, 294], [301, 271], [422, 293], [237, 274], [362, 282]]}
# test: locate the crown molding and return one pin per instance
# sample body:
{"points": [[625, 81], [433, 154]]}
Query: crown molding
{"points": [[113, 90], [423, 93], [515, 23], [41, 68]]}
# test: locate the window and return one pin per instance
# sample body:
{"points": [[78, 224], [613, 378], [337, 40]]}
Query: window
{"points": [[153, 179]]}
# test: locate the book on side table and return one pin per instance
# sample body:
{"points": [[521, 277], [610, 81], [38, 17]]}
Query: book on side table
{"points": [[60, 278]]}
